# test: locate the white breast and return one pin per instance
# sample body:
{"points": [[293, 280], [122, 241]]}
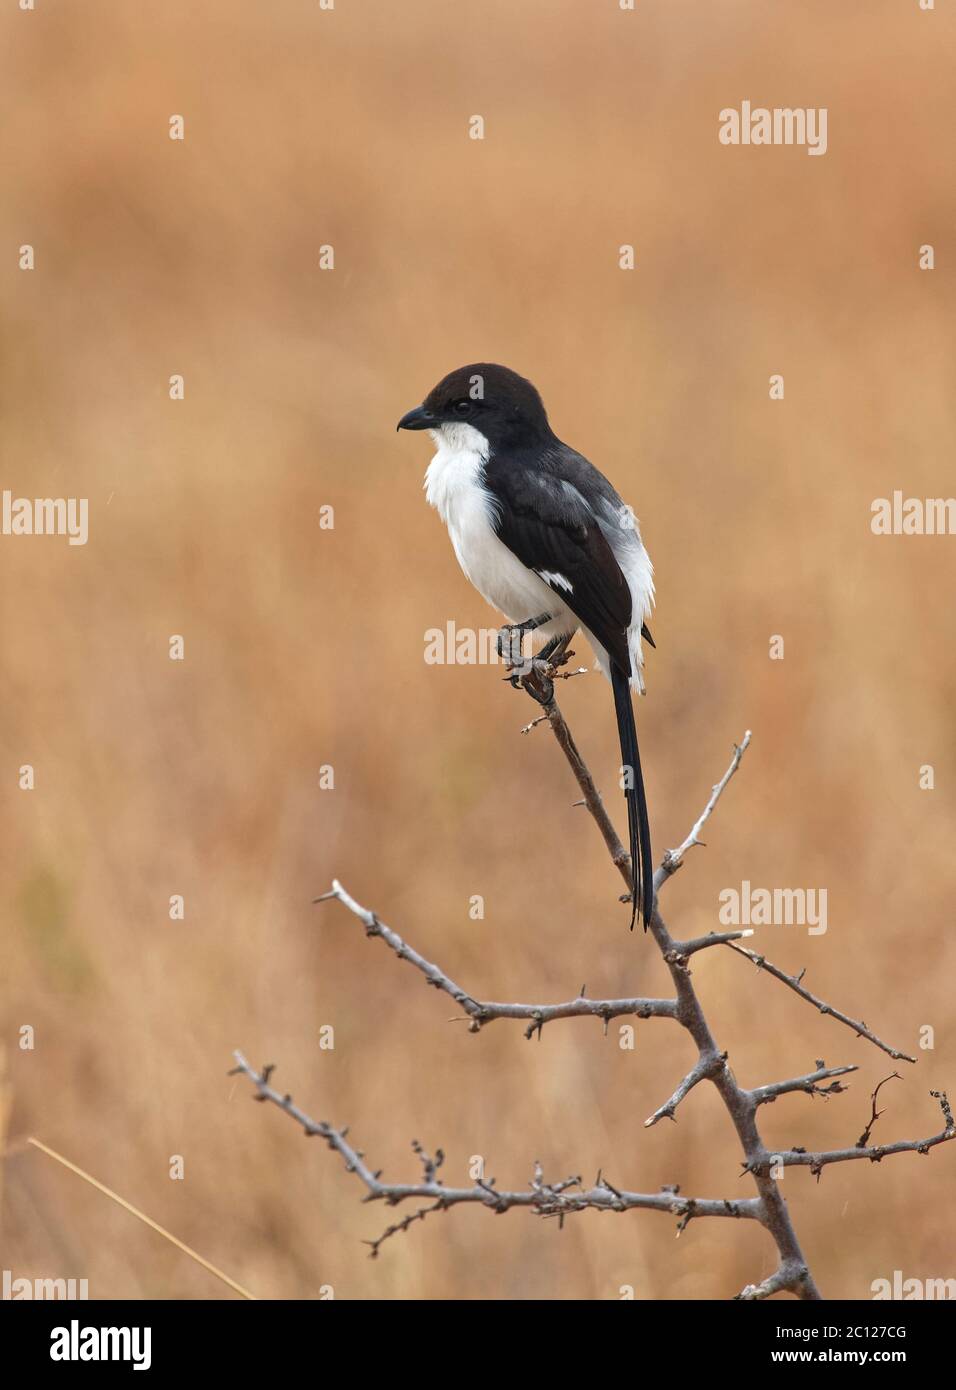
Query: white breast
{"points": [[455, 487]]}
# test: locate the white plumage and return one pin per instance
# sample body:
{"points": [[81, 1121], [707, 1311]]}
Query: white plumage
{"points": [[454, 486]]}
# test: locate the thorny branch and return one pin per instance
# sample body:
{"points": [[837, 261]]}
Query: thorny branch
{"points": [[481, 1012], [816, 1162], [794, 982], [547, 1199], [567, 1197], [875, 1114]]}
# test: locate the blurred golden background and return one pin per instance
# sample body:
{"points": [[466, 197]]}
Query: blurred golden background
{"points": [[304, 646]]}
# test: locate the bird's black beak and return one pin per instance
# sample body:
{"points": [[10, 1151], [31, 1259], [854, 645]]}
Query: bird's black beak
{"points": [[417, 419]]}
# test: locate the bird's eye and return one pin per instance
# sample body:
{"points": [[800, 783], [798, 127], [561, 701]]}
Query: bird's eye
{"points": [[462, 407]]}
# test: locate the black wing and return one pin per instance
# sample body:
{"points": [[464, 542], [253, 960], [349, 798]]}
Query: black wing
{"points": [[544, 520]]}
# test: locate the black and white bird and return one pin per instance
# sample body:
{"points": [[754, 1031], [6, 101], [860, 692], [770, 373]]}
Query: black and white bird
{"points": [[546, 539]]}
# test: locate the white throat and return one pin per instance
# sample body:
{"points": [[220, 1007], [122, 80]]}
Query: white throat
{"points": [[455, 476]]}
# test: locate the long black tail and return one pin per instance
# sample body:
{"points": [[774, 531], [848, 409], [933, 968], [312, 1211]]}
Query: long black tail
{"points": [[638, 827]]}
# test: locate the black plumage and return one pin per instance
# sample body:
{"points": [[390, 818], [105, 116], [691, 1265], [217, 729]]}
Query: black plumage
{"points": [[558, 515]]}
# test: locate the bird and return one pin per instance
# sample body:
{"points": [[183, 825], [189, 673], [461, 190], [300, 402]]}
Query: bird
{"points": [[546, 539]]}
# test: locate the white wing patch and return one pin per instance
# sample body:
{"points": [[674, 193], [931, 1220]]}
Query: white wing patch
{"points": [[550, 577]]}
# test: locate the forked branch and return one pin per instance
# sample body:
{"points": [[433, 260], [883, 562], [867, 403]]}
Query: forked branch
{"points": [[567, 1197], [559, 1199]]}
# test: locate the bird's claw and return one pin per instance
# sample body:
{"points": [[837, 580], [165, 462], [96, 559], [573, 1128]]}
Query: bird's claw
{"points": [[509, 644], [535, 676]]}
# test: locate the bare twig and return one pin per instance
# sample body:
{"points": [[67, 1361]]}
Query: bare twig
{"points": [[714, 938], [946, 1108], [545, 1199], [673, 858], [782, 1279], [875, 1114], [764, 1095], [486, 1011], [702, 1069], [803, 1158], [541, 719], [592, 797], [794, 982], [794, 1158]]}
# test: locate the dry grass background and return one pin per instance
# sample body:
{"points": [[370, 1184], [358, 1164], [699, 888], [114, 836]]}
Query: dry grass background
{"points": [[304, 647]]}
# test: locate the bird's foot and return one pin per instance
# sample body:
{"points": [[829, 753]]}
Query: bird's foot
{"points": [[510, 638], [534, 675]]}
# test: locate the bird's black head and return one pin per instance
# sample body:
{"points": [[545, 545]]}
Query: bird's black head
{"points": [[495, 401]]}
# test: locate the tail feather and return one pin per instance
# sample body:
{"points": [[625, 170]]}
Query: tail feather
{"points": [[638, 826]]}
